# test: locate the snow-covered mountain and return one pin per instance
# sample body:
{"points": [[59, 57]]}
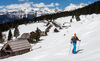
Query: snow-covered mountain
{"points": [[73, 7], [35, 12], [10, 15]]}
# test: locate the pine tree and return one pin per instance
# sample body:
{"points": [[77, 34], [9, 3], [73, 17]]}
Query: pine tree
{"points": [[71, 20], [46, 32], [9, 35], [32, 36], [77, 18], [72, 16], [0, 34], [16, 32], [37, 35], [1, 39]]}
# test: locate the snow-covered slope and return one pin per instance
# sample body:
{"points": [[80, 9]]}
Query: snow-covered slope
{"points": [[55, 46], [27, 28]]}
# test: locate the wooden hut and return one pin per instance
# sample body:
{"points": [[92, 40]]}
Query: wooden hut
{"points": [[47, 23], [24, 36], [42, 33], [56, 30], [32, 32], [56, 25], [13, 48], [47, 30], [65, 26]]}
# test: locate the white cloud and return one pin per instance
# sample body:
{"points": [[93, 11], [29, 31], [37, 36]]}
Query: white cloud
{"points": [[1, 6], [57, 4], [39, 5], [89, 2], [43, 5], [28, 5], [19, 6], [50, 5], [3, 10], [21, 0]]}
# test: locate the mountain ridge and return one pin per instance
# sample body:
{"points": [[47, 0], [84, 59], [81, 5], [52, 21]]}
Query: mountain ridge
{"points": [[9, 16]]}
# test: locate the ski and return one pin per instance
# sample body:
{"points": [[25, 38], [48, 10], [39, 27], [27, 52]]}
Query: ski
{"points": [[77, 53]]}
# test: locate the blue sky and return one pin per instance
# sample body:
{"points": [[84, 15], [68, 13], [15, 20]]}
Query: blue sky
{"points": [[19, 4]]}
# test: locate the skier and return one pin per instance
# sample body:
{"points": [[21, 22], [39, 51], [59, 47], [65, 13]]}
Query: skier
{"points": [[74, 40]]}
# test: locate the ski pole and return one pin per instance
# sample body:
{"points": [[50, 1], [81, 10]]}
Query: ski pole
{"points": [[79, 44], [70, 48]]}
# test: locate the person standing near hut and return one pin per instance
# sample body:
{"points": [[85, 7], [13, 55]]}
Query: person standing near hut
{"points": [[74, 40]]}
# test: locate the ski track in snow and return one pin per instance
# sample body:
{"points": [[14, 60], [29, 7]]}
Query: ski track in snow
{"points": [[55, 46]]}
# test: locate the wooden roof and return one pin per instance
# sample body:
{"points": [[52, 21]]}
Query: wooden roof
{"points": [[25, 35], [19, 45]]}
